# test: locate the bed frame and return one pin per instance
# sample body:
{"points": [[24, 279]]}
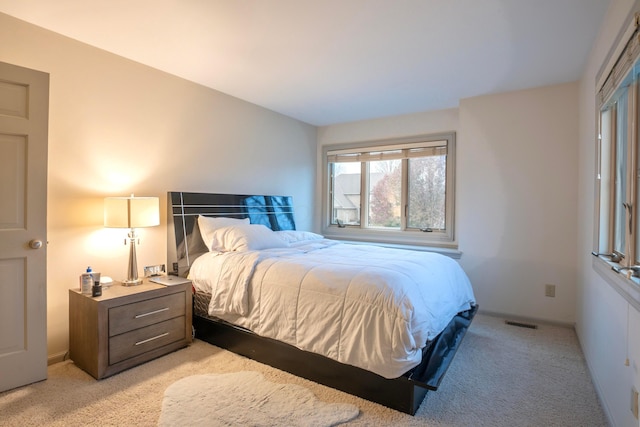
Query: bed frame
{"points": [[184, 245]]}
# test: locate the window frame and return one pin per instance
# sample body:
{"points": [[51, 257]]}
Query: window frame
{"points": [[607, 177], [619, 74], [403, 236]]}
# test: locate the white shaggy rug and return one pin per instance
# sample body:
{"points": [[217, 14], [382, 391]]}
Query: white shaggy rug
{"points": [[246, 399]]}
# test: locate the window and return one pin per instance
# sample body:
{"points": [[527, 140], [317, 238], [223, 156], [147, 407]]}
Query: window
{"points": [[396, 191], [617, 185]]}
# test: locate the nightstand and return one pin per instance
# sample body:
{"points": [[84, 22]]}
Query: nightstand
{"points": [[127, 326]]}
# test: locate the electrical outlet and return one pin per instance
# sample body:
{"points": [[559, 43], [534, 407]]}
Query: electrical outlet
{"points": [[154, 270], [634, 402], [550, 290]]}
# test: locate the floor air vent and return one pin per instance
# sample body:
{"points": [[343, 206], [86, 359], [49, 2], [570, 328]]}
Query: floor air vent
{"points": [[521, 324]]}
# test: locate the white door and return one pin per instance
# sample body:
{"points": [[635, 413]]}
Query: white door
{"points": [[24, 113]]}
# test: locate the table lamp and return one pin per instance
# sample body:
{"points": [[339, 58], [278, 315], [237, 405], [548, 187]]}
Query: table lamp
{"points": [[131, 212]]}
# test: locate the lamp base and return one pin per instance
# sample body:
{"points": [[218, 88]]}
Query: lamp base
{"points": [[132, 282], [132, 275]]}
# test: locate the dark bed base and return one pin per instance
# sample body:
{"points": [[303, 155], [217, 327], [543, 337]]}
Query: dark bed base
{"points": [[404, 394], [184, 245]]}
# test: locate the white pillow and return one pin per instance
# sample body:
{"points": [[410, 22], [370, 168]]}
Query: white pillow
{"points": [[246, 237], [209, 224], [292, 236]]}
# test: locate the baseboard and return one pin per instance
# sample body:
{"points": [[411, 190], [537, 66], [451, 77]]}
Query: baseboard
{"points": [[596, 383], [57, 358]]}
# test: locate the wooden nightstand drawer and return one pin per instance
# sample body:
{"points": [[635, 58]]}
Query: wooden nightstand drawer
{"points": [[144, 313], [127, 326], [142, 340]]}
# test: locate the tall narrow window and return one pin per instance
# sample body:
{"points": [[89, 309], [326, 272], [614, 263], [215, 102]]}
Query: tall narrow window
{"points": [[345, 191], [605, 184], [385, 193], [427, 192], [617, 189], [618, 192], [621, 152]]}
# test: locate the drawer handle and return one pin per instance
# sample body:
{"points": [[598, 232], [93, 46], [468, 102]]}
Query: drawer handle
{"points": [[151, 312], [152, 338]]}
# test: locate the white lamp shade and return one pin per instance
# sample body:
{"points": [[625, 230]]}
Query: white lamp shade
{"points": [[131, 212]]}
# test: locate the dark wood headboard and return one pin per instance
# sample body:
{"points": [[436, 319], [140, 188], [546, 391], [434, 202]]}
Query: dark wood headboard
{"points": [[184, 243]]}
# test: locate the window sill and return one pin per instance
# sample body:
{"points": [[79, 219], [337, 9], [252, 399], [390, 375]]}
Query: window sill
{"points": [[451, 253], [627, 287], [432, 242]]}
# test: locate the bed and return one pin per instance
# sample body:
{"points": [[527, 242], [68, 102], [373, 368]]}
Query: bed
{"points": [[353, 317]]}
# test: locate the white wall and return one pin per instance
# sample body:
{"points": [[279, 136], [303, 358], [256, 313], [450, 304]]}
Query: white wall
{"points": [[517, 202], [515, 193], [608, 327], [117, 127]]}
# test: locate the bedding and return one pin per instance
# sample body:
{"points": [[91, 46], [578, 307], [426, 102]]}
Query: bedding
{"points": [[366, 306], [245, 237], [208, 226], [292, 236]]}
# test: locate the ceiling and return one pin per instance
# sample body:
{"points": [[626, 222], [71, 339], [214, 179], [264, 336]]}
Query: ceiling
{"points": [[331, 61]]}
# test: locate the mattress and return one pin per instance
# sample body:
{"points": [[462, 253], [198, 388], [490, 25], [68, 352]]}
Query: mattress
{"points": [[367, 306]]}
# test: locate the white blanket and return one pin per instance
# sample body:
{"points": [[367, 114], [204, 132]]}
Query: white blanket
{"points": [[230, 293], [366, 306]]}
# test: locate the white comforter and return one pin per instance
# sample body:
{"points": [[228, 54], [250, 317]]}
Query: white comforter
{"points": [[366, 306]]}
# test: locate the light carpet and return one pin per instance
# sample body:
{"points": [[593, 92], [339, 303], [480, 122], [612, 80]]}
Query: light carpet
{"points": [[501, 376], [247, 399]]}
